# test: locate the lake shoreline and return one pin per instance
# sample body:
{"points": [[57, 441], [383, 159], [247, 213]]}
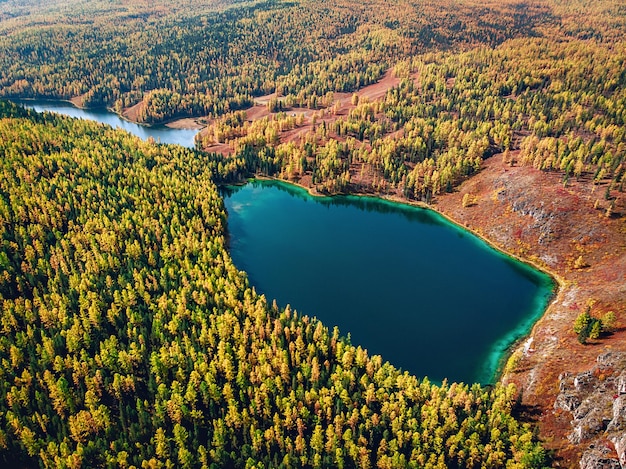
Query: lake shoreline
{"points": [[561, 226], [175, 133], [570, 216], [179, 123], [459, 265], [557, 280], [551, 347]]}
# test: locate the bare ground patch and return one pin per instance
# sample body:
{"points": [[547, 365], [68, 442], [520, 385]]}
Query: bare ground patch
{"points": [[532, 215]]}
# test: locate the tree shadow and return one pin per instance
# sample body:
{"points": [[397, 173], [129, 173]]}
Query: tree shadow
{"points": [[526, 413]]}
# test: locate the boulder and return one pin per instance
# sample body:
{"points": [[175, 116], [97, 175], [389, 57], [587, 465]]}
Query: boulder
{"points": [[619, 441], [567, 401], [600, 404], [598, 459], [589, 425], [584, 381], [618, 422]]}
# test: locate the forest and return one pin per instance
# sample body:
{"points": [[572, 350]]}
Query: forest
{"points": [[555, 106], [129, 338], [196, 59]]}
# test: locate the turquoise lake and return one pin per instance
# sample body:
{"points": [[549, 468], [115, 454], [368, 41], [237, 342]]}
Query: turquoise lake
{"points": [[405, 283]]}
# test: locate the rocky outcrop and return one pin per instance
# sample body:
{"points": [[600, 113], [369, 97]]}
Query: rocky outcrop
{"points": [[619, 441], [599, 458], [597, 400]]}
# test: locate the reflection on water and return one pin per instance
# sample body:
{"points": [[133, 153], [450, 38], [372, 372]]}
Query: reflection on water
{"points": [[159, 133], [364, 203]]}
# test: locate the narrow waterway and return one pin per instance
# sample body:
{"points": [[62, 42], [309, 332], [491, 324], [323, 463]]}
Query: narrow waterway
{"points": [[160, 133]]}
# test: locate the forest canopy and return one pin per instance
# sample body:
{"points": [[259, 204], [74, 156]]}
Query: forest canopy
{"points": [[130, 339], [171, 60]]}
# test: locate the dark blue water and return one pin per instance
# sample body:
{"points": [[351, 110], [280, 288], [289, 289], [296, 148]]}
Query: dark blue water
{"points": [[405, 283], [159, 133]]}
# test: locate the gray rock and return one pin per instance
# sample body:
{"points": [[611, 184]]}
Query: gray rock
{"points": [[608, 358], [597, 400], [598, 459], [619, 441], [618, 422], [593, 421], [601, 404], [567, 401], [621, 384], [584, 381]]}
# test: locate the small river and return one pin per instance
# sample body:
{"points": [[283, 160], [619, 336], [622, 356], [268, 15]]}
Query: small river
{"points": [[404, 282], [160, 133]]}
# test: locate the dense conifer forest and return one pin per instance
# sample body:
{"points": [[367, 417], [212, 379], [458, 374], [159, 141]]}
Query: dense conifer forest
{"points": [[192, 59], [129, 339]]}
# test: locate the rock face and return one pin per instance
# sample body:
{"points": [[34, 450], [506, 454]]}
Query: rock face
{"points": [[597, 400], [599, 459], [620, 446]]}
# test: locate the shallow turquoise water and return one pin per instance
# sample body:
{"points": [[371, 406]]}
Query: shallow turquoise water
{"points": [[404, 282]]}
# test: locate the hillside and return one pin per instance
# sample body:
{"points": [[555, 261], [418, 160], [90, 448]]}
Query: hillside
{"points": [[507, 116], [176, 59]]}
